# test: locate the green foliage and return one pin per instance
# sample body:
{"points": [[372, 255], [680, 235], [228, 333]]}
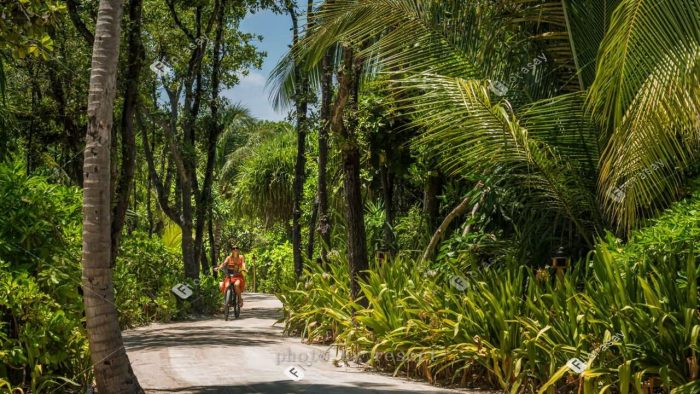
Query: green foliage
{"points": [[319, 308], [24, 24], [265, 181], [273, 267], [41, 326], [43, 343], [629, 311], [24, 29], [146, 271], [39, 333], [412, 231]]}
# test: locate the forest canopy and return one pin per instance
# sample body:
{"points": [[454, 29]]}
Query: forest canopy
{"points": [[490, 188]]}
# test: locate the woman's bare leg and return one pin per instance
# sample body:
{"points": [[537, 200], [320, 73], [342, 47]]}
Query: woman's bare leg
{"points": [[237, 289]]}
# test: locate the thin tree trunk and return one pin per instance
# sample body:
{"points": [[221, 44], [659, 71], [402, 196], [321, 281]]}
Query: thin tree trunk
{"points": [[212, 240], [431, 204], [324, 225], [113, 372], [186, 159], [133, 70], [388, 197], [162, 189], [30, 136], [191, 265], [218, 229], [72, 137], [301, 100], [215, 131], [79, 24], [184, 185], [344, 122], [440, 232], [149, 212], [472, 214], [312, 230]]}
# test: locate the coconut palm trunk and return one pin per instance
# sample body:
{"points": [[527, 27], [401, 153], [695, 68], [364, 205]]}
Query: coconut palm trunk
{"points": [[344, 124], [111, 365]]}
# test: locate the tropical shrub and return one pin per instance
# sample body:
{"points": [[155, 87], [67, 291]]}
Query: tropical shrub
{"points": [[630, 312], [43, 343], [42, 336], [273, 267]]}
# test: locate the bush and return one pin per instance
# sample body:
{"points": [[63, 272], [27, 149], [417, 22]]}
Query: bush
{"points": [[273, 268], [145, 273], [629, 311], [42, 335], [43, 342]]}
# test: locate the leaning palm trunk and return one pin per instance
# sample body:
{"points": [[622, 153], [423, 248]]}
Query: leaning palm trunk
{"points": [[112, 369]]}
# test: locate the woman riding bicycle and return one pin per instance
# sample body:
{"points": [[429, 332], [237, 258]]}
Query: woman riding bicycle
{"points": [[235, 268]]}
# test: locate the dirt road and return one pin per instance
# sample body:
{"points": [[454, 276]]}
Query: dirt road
{"points": [[247, 355]]}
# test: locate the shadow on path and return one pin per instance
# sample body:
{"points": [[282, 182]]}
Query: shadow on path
{"points": [[192, 356], [282, 386], [200, 336]]}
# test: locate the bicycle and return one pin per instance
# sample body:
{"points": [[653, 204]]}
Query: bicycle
{"points": [[230, 298]]}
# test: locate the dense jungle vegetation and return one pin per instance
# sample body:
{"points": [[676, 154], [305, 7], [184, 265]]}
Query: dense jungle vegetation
{"points": [[488, 188]]}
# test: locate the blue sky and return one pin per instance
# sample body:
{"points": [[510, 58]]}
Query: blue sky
{"points": [[277, 35]]}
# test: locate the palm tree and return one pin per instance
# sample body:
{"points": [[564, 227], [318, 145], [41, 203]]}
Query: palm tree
{"points": [[112, 369], [507, 90]]}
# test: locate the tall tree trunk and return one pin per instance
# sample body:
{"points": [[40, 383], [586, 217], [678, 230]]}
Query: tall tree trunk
{"points": [[186, 177], [343, 123], [111, 364], [185, 152], [218, 229], [149, 212], [301, 99], [133, 70], [324, 225], [215, 131]]}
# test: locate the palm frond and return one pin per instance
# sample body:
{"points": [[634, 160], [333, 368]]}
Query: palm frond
{"points": [[642, 34], [475, 135], [647, 156], [645, 96]]}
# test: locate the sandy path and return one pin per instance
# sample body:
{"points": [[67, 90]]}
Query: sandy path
{"points": [[247, 355]]}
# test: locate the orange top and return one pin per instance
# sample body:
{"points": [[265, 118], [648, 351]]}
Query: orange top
{"points": [[233, 265]]}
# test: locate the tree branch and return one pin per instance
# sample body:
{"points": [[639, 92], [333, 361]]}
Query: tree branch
{"points": [[440, 232], [79, 24]]}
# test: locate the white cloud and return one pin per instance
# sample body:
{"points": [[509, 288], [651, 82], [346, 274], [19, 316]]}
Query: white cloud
{"points": [[251, 93]]}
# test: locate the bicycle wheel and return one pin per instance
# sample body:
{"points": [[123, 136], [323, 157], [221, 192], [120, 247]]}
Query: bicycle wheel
{"points": [[236, 306], [227, 302]]}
